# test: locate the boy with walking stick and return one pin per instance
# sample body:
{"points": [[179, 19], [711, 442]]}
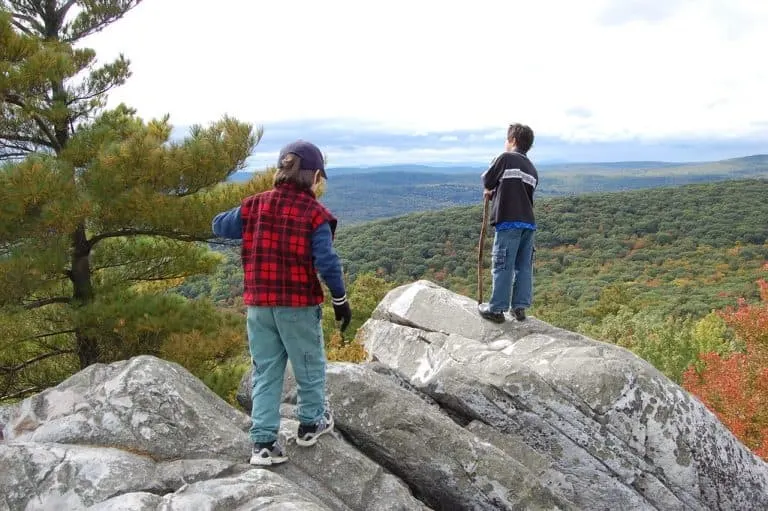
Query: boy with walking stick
{"points": [[510, 183]]}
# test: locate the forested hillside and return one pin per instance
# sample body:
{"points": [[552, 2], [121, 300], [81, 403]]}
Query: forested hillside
{"points": [[682, 250], [675, 250]]}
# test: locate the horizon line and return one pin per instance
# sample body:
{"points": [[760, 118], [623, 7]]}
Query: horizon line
{"points": [[548, 162]]}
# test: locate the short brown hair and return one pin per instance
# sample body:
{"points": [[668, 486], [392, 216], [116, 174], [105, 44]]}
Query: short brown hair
{"points": [[289, 171], [523, 136]]}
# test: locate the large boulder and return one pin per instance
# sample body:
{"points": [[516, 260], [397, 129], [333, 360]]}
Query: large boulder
{"points": [[595, 424], [452, 412], [145, 434], [58, 476], [142, 405]]}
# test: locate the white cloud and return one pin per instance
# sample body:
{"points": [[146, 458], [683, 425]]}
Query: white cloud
{"points": [[660, 68]]}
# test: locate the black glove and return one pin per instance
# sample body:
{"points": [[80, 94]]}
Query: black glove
{"points": [[343, 311]]}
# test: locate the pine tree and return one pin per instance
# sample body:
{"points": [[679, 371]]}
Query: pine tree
{"points": [[100, 211]]}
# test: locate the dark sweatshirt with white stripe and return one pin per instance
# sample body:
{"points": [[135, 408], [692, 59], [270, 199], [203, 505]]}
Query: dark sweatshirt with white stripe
{"points": [[514, 179]]}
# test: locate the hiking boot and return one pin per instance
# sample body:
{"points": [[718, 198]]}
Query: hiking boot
{"points": [[519, 314], [309, 433], [268, 453], [485, 311]]}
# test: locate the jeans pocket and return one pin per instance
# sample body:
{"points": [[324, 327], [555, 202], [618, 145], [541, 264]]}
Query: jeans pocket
{"points": [[499, 259]]}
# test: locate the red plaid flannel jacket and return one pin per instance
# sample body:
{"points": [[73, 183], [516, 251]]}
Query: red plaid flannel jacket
{"points": [[277, 247]]}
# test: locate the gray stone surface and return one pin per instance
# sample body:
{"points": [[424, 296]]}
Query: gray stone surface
{"points": [[600, 426], [450, 467], [141, 405], [355, 480], [145, 434], [451, 413], [38, 476], [255, 490]]}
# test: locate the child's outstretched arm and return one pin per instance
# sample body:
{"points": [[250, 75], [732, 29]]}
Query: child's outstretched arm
{"points": [[228, 224], [328, 265]]}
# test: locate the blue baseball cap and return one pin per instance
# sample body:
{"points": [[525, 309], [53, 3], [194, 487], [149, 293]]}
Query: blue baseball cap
{"points": [[311, 157]]}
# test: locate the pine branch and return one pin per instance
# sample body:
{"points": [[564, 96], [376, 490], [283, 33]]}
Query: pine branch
{"points": [[29, 19], [150, 274], [107, 19], [22, 28], [86, 32], [39, 339], [33, 6], [34, 360], [47, 301], [8, 156], [100, 92], [96, 268], [64, 8], [13, 99], [43, 336], [159, 279], [23, 138], [6, 145], [42, 344], [145, 232]]}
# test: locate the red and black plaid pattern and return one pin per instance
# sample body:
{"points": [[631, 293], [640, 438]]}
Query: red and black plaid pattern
{"points": [[277, 247]]}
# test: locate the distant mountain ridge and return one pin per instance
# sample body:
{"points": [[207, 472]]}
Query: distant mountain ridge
{"points": [[368, 193], [441, 168]]}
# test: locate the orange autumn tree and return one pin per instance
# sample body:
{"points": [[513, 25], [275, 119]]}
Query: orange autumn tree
{"points": [[735, 386]]}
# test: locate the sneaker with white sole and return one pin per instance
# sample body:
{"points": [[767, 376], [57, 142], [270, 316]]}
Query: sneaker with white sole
{"points": [[309, 433], [268, 453]]}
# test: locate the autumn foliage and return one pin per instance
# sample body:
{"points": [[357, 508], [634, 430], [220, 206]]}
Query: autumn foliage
{"points": [[735, 387]]}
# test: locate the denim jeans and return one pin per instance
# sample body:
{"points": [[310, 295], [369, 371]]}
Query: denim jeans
{"points": [[512, 270], [276, 335]]}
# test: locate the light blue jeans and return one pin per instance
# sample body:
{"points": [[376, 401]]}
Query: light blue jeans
{"points": [[276, 335], [512, 270]]}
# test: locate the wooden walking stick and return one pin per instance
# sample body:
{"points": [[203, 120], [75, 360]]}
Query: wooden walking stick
{"points": [[480, 251]]}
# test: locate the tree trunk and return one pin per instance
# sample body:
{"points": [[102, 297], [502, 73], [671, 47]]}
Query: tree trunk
{"points": [[87, 347]]}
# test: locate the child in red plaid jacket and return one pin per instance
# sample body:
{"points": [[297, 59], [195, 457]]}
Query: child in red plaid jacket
{"points": [[287, 239]]}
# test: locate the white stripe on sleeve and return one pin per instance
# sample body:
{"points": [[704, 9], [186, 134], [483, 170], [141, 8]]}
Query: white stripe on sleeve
{"points": [[519, 174]]}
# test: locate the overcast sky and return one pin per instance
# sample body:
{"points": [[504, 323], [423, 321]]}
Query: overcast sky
{"points": [[638, 76]]}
